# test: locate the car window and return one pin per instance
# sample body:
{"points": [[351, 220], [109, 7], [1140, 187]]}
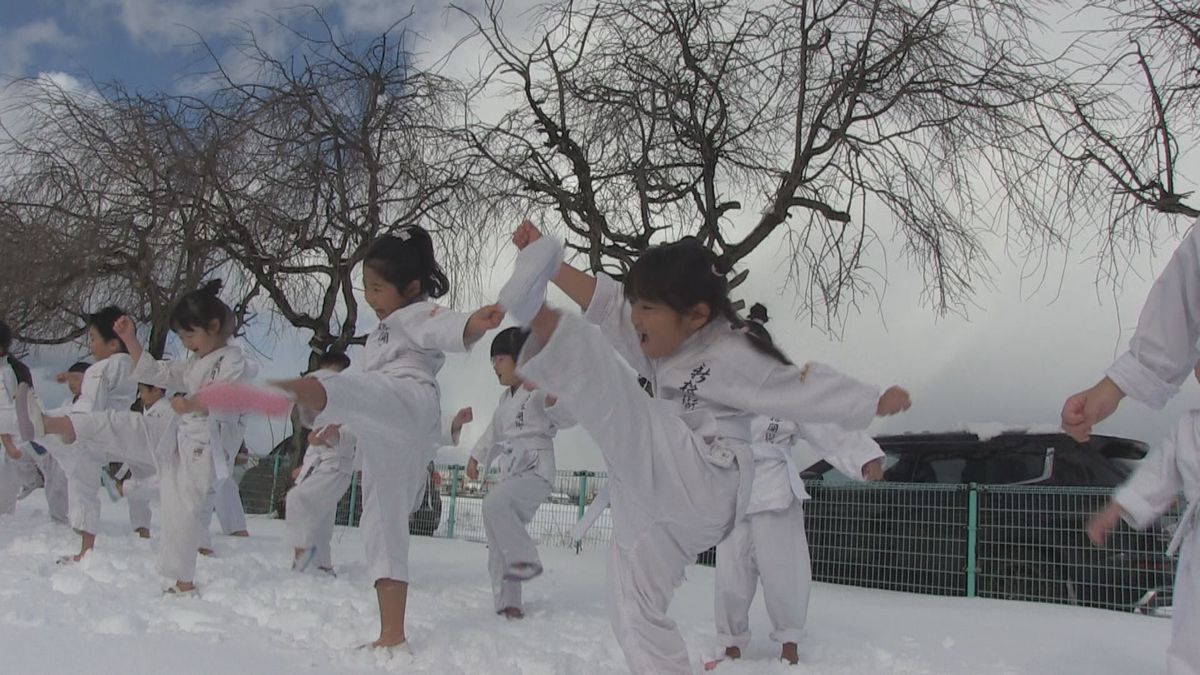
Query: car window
{"points": [[898, 468], [947, 469], [1018, 467], [1086, 467]]}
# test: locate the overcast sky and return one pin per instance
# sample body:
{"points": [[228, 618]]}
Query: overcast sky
{"points": [[1013, 356]]}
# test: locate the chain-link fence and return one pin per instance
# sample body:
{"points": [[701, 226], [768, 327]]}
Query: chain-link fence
{"points": [[894, 536], [1031, 544], [1011, 542]]}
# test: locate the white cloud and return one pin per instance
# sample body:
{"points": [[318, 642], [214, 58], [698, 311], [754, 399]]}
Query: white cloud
{"points": [[17, 46]]}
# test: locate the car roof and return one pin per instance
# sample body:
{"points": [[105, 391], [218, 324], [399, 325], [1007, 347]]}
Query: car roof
{"points": [[1110, 446]]}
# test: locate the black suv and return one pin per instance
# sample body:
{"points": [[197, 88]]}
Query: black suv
{"points": [[1029, 543]]}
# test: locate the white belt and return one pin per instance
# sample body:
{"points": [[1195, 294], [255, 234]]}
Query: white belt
{"points": [[1187, 523], [775, 451]]}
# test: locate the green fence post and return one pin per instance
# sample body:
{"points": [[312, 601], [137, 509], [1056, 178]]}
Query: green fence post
{"points": [[353, 498], [972, 533], [274, 485], [454, 469], [583, 476]]}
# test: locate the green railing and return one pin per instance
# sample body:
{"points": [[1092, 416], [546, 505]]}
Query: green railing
{"points": [[1012, 542]]}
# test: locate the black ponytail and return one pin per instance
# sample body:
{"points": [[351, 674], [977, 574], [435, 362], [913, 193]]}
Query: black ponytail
{"points": [[685, 273], [199, 308], [20, 370], [406, 256], [756, 329]]}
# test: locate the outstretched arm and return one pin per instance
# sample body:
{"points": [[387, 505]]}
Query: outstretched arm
{"points": [[575, 283]]}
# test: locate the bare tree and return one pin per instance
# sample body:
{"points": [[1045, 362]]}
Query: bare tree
{"points": [[1124, 134], [106, 207], [801, 122], [337, 142], [37, 304]]}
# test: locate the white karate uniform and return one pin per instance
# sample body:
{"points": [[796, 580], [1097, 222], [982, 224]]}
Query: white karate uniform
{"points": [[189, 452], [674, 460], [20, 477], [1162, 353], [520, 443], [12, 483], [1164, 349], [769, 543], [324, 477], [107, 385], [1153, 488], [138, 500], [54, 484], [393, 409], [141, 488], [16, 475], [226, 501], [8, 394]]}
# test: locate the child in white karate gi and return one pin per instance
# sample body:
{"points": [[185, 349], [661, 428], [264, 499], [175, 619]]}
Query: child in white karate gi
{"points": [[391, 404], [191, 449], [680, 463], [1162, 351], [520, 444]]}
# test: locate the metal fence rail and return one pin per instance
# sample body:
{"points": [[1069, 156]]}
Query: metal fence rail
{"points": [[1010, 542], [893, 536], [1032, 545]]}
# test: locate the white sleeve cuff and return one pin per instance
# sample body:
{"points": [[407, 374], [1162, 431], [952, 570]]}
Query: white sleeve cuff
{"points": [[1141, 383], [1138, 512]]}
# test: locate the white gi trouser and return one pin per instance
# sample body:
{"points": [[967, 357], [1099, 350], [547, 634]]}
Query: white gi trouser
{"points": [[226, 501], [507, 509], [771, 546], [185, 478], [1183, 654], [139, 490], [15, 475], [674, 494], [82, 466], [396, 423], [312, 507], [54, 482]]}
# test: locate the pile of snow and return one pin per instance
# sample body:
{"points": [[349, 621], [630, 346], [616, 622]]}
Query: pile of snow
{"points": [[989, 430], [106, 615]]}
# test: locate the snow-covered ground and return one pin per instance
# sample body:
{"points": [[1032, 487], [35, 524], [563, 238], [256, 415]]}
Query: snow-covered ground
{"points": [[106, 615]]}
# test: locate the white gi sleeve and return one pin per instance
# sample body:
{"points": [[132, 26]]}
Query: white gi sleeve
{"points": [[1156, 482], [1163, 349], [846, 451], [611, 313]]}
